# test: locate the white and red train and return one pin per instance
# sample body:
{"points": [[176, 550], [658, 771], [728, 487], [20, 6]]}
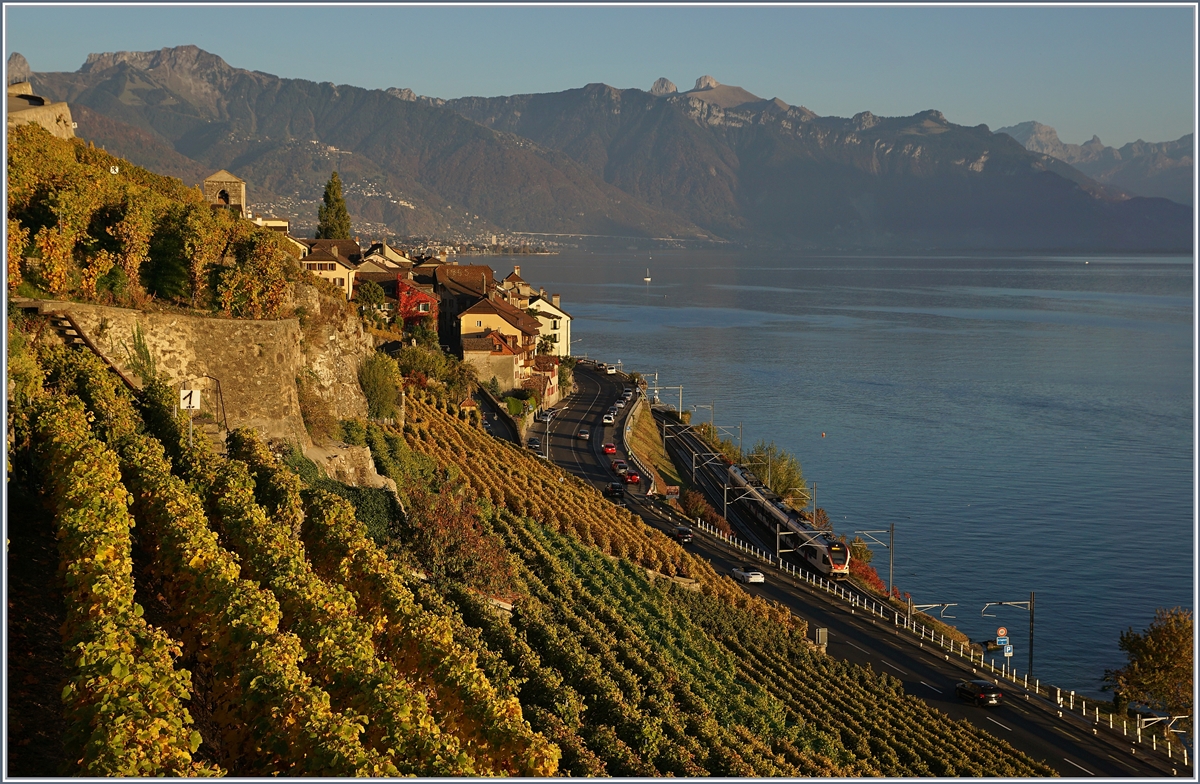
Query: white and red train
{"points": [[818, 548]]}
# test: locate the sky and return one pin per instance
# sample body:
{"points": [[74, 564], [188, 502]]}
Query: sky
{"points": [[1120, 72]]}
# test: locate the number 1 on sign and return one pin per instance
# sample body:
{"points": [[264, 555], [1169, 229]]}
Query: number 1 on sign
{"points": [[189, 399]]}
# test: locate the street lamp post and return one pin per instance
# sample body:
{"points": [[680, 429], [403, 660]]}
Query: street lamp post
{"points": [[1023, 605]]}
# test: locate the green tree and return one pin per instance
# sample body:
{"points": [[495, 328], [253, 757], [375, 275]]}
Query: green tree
{"points": [[780, 471], [333, 219], [545, 345], [369, 293], [370, 297], [379, 378], [1159, 669]]}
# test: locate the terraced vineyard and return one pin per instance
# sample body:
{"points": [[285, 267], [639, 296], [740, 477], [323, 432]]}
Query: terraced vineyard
{"points": [[231, 589]]}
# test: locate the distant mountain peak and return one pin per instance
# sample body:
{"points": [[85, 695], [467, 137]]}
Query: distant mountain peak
{"points": [[188, 58], [726, 96], [663, 86], [18, 68]]}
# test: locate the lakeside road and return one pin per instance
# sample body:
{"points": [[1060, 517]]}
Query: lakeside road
{"points": [[1068, 744]]}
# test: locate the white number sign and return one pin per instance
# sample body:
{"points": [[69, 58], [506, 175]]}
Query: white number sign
{"points": [[189, 399]]}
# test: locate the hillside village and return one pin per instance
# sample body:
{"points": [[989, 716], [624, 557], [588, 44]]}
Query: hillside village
{"points": [[505, 329]]}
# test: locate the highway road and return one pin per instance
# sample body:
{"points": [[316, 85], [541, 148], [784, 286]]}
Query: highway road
{"points": [[1069, 744]]}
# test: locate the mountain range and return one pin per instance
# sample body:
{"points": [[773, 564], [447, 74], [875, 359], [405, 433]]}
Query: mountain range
{"points": [[1162, 169], [712, 163]]}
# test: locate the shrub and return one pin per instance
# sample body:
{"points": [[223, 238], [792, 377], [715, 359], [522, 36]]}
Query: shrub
{"points": [[380, 380], [354, 432]]}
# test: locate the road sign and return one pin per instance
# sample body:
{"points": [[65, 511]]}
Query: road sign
{"points": [[1002, 641], [1008, 651], [189, 399], [1002, 631]]}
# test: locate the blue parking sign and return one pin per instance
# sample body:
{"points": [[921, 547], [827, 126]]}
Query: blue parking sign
{"points": [[1008, 650]]}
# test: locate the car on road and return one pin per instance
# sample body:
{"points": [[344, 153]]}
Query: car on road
{"points": [[610, 370], [747, 575], [487, 425], [583, 435], [620, 403], [534, 444], [627, 392], [682, 534], [620, 466], [609, 449], [614, 490], [609, 419], [632, 477], [980, 692]]}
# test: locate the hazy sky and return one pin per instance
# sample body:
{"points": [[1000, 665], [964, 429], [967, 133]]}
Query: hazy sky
{"points": [[1120, 72]]}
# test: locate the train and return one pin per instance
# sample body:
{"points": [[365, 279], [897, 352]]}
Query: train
{"points": [[817, 548]]}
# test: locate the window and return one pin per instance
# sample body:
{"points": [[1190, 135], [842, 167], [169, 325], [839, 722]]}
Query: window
{"points": [[423, 307], [479, 323], [554, 324], [340, 281]]}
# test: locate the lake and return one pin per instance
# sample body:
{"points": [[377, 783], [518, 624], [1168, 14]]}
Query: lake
{"points": [[1026, 422]]}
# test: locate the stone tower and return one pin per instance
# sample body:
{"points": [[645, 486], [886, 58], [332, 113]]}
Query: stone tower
{"points": [[226, 190]]}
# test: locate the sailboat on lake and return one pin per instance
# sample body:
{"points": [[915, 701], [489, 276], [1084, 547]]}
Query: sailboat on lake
{"points": [[647, 278]]}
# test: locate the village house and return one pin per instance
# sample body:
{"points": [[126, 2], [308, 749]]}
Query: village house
{"points": [[458, 288], [328, 264], [515, 290], [543, 379], [380, 257], [555, 322], [493, 357], [414, 302]]}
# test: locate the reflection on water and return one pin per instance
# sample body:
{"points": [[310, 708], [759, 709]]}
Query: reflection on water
{"points": [[1025, 422]]}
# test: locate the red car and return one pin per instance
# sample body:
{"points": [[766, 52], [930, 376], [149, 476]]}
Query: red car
{"points": [[610, 449], [632, 478]]}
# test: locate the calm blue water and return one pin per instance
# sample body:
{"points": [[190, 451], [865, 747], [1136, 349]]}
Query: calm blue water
{"points": [[1027, 423]]}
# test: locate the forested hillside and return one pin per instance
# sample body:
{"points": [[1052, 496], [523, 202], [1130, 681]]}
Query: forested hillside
{"points": [[233, 615]]}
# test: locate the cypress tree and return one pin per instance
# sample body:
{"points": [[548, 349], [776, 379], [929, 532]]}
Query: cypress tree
{"points": [[333, 220]]}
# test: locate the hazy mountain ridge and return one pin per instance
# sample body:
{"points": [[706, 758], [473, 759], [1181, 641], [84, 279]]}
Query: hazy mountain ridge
{"points": [[1162, 169], [766, 168], [415, 167], [716, 160]]}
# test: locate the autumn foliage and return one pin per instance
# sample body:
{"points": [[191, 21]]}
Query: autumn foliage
{"points": [[86, 225]]}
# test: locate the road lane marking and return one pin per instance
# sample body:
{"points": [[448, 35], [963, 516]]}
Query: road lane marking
{"points": [[1069, 735], [1121, 763], [935, 688], [993, 721], [894, 667], [1085, 770]]}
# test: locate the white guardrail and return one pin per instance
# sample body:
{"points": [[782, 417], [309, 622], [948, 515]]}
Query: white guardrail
{"points": [[1059, 700], [1062, 701]]}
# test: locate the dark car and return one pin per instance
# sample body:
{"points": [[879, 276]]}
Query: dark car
{"points": [[979, 692], [683, 534], [614, 490], [534, 444]]}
